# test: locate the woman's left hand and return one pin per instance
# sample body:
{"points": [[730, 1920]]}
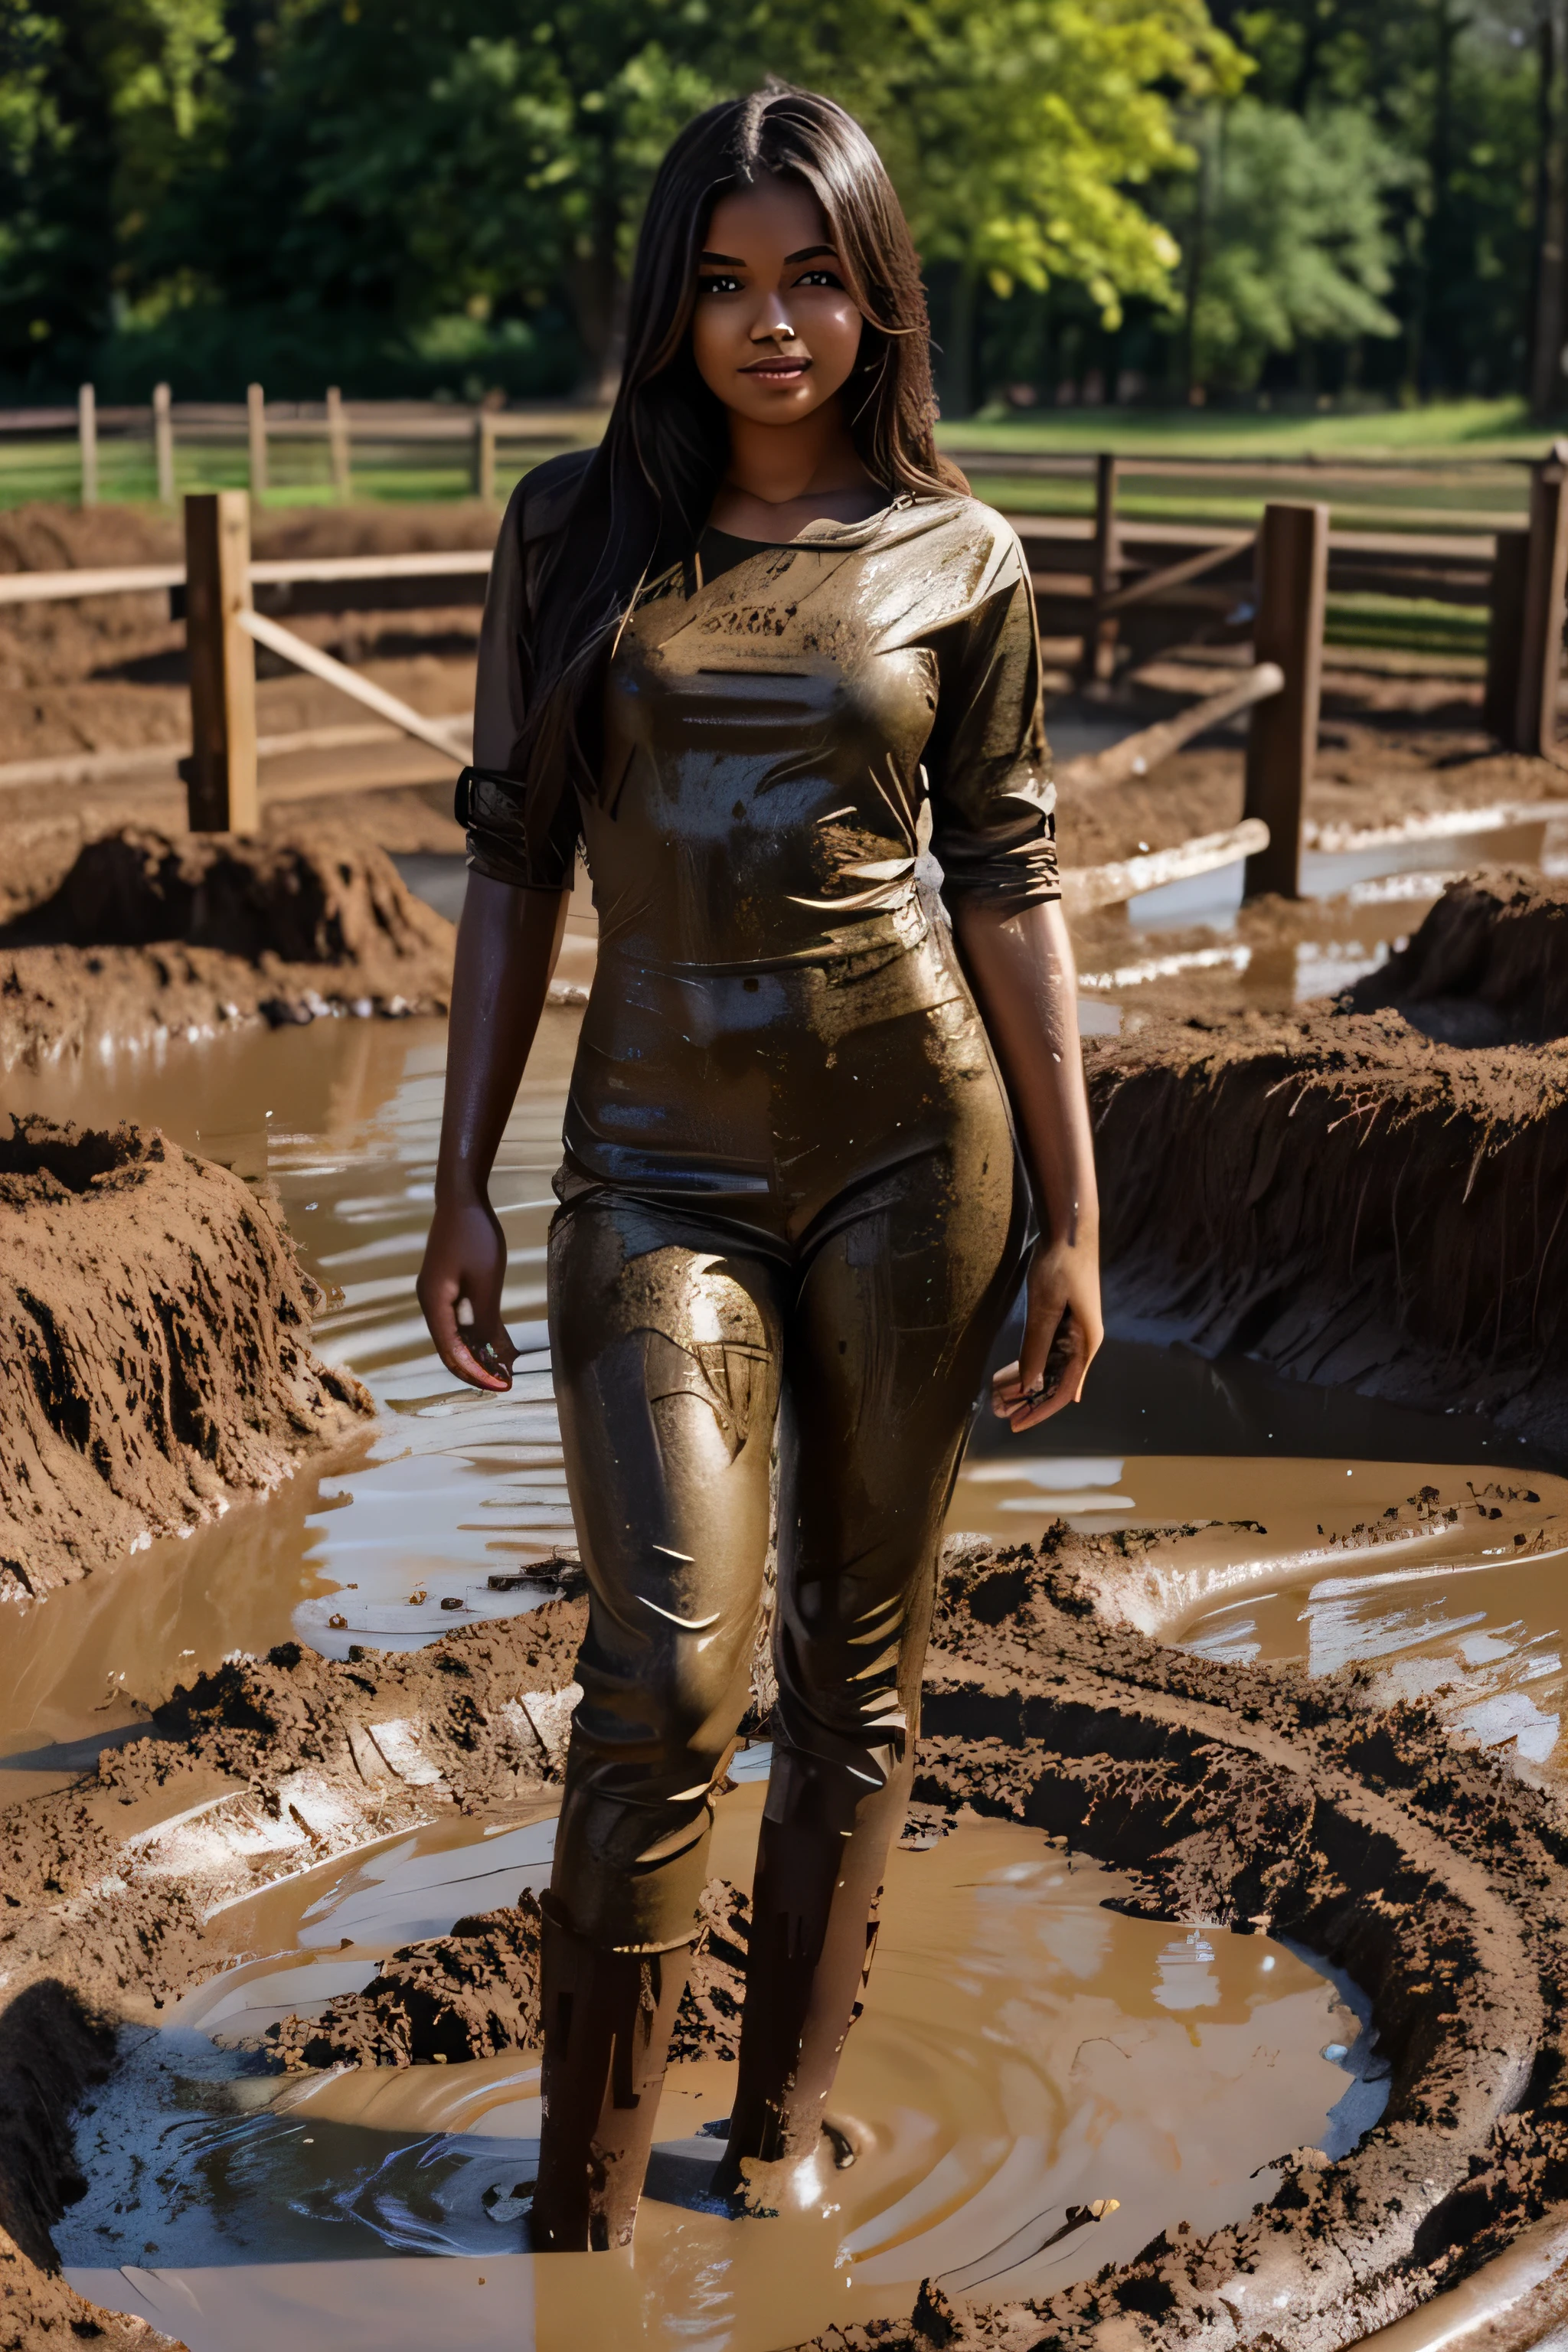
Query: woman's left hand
{"points": [[1063, 1283]]}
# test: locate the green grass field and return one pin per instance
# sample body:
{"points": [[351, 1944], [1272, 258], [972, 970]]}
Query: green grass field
{"points": [[1473, 450]]}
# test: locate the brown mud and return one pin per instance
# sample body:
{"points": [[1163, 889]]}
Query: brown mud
{"points": [[156, 1327], [477, 1992], [1349, 1198], [1488, 967], [1234, 1797], [147, 934]]}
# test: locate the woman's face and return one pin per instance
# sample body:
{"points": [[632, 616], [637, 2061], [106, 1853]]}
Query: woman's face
{"points": [[774, 333]]}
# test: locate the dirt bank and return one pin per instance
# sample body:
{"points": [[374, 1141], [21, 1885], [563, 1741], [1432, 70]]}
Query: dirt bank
{"points": [[1346, 1200], [146, 933], [1488, 967], [1237, 1795], [156, 1327]]}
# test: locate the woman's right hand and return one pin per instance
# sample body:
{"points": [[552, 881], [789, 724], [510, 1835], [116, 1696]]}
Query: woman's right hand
{"points": [[465, 1258]]}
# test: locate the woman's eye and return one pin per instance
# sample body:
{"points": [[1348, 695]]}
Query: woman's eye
{"points": [[718, 286], [821, 278]]}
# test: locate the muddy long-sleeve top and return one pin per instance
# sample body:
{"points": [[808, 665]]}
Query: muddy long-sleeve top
{"points": [[769, 737]]}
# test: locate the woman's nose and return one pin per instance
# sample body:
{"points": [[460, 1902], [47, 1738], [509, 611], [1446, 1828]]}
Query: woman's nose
{"points": [[773, 324]]}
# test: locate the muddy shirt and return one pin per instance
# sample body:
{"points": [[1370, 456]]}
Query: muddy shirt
{"points": [[769, 738]]}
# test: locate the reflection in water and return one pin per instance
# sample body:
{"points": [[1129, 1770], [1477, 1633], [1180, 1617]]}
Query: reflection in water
{"points": [[1026, 2056], [412, 1530]]}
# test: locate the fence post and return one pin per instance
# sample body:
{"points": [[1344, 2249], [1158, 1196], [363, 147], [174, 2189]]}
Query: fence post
{"points": [[1282, 738], [163, 443], [220, 775], [86, 434], [1534, 727], [1505, 633], [1099, 658], [484, 475], [338, 455], [255, 423]]}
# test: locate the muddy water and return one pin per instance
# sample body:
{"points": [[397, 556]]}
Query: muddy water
{"points": [[456, 1498], [1025, 2054]]}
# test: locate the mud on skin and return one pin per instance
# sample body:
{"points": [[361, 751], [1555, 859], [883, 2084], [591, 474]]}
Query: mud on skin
{"points": [[1237, 1795]]}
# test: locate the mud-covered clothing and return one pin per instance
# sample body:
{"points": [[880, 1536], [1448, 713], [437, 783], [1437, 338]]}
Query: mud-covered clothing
{"points": [[789, 1169]]}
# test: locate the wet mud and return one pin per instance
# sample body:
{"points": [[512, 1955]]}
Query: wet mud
{"points": [[148, 934], [1242, 1800], [1488, 967], [157, 1336], [477, 1992], [1349, 1198]]}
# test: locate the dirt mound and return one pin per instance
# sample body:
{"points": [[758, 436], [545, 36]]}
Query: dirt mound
{"points": [[1488, 967], [148, 933], [1237, 1795], [477, 1992], [1345, 1199], [155, 1327]]}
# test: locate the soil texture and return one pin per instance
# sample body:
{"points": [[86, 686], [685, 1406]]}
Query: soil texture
{"points": [[1345, 1199], [1237, 1795], [1488, 967], [156, 1335], [477, 1992], [146, 933]]}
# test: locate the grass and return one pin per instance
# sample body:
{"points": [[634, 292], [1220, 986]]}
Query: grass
{"points": [[1454, 428], [1495, 430]]}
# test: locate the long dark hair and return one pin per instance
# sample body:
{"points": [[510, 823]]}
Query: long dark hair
{"points": [[645, 495]]}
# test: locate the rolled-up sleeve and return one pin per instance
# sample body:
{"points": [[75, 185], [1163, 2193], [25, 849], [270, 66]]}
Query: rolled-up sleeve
{"points": [[989, 764], [506, 840]]}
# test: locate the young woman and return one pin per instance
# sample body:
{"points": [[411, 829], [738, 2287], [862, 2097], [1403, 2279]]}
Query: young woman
{"points": [[733, 652]]}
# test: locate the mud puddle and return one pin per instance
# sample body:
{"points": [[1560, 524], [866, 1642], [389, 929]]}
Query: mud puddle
{"points": [[1026, 2056], [413, 1530], [1365, 902]]}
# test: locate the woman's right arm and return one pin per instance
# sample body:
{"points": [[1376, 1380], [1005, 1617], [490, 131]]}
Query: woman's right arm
{"points": [[508, 942]]}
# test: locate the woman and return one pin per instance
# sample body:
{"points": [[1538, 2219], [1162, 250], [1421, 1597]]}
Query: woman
{"points": [[732, 651]]}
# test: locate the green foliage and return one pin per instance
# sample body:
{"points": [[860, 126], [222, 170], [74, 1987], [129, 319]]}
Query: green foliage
{"points": [[377, 165], [1289, 236]]}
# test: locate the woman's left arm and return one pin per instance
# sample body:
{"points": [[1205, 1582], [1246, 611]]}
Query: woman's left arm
{"points": [[1020, 966]]}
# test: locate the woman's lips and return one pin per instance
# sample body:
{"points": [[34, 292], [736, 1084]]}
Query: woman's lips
{"points": [[782, 371]]}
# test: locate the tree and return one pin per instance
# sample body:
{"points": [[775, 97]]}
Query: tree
{"points": [[371, 168], [1292, 243]]}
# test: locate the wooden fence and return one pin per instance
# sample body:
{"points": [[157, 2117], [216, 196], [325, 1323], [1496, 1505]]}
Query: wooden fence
{"points": [[261, 426], [1116, 584]]}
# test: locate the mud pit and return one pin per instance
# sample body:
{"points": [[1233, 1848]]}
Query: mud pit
{"points": [[1350, 1197], [266, 1772], [1359, 1751]]}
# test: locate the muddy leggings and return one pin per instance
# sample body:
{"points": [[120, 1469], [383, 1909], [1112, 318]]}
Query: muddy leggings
{"points": [[677, 1343]]}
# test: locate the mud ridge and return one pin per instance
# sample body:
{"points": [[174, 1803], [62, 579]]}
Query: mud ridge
{"points": [[149, 934], [1489, 966], [1345, 1199], [477, 1992], [155, 1327], [1237, 1795]]}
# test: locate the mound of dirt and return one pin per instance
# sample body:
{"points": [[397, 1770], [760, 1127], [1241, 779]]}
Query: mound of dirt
{"points": [[477, 1992], [149, 933], [1237, 1795], [156, 1327], [1346, 1200], [1488, 967]]}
